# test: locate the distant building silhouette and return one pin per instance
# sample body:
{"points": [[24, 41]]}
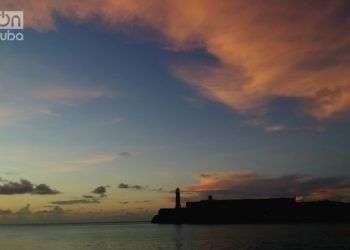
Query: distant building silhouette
{"points": [[177, 198], [270, 210]]}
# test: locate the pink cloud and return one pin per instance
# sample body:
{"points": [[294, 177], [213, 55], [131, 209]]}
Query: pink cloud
{"points": [[252, 185], [265, 49]]}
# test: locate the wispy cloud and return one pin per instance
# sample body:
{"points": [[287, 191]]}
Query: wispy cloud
{"points": [[99, 192], [261, 121], [101, 158], [7, 115], [95, 159], [276, 128], [12, 114], [89, 160], [113, 121], [273, 128], [41, 100], [75, 202], [70, 94]]}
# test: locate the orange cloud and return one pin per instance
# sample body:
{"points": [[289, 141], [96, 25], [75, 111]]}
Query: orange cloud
{"points": [[264, 49], [221, 181]]}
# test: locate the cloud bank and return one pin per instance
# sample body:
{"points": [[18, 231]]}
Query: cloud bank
{"points": [[26, 187], [70, 94], [253, 185]]}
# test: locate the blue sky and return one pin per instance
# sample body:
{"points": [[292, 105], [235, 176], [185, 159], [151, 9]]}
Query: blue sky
{"points": [[85, 104]]}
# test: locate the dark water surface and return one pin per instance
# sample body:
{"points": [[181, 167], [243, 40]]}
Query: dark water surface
{"points": [[147, 236]]}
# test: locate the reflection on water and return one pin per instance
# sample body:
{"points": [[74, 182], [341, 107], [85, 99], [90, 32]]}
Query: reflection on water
{"points": [[148, 236], [178, 236]]}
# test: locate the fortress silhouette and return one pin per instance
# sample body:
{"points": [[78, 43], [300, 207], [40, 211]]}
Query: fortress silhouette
{"points": [[272, 210]]}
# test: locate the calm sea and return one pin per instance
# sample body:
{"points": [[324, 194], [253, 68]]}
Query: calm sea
{"points": [[147, 236]]}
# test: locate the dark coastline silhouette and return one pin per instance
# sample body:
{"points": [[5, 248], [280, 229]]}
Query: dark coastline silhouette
{"points": [[272, 210]]}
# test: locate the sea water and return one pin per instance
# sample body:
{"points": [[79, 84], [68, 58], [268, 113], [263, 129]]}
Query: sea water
{"points": [[148, 236]]}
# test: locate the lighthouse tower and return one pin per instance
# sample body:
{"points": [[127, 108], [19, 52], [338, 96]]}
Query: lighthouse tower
{"points": [[177, 199]]}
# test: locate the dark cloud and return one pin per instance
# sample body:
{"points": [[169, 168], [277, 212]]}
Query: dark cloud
{"points": [[252, 185], [100, 190], [127, 186], [88, 197], [123, 185], [141, 188], [137, 187], [75, 202], [25, 187], [21, 187], [44, 189], [125, 154], [127, 202]]}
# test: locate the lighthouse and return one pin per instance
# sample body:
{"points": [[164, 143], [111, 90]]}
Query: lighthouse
{"points": [[177, 198]]}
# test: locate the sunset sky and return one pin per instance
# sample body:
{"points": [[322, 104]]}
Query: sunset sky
{"points": [[112, 104]]}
